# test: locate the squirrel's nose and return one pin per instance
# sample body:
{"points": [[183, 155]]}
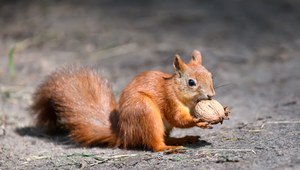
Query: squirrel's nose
{"points": [[209, 96]]}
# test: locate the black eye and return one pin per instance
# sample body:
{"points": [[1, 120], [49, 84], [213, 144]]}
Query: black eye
{"points": [[192, 82]]}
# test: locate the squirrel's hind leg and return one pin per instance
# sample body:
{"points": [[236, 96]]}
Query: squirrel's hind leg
{"points": [[155, 137], [140, 123]]}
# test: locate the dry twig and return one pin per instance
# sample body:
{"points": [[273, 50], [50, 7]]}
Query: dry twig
{"points": [[280, 122]]}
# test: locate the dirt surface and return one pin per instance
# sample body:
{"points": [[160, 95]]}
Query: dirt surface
{"points": [[252, 48]]}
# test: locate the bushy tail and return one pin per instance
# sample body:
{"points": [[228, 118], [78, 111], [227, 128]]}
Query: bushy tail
{"points": [[80, 101]]}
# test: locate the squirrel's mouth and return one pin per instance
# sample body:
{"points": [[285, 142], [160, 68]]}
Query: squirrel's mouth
{"points": [[202, 97]]}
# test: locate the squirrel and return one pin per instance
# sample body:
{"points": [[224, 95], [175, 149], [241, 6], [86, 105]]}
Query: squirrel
{"points": [[81, 101]]}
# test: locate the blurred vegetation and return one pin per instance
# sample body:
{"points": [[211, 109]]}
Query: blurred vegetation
{"points": [[11, 64]]}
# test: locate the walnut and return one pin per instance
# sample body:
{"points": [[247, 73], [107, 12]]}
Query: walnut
{"points": [[211, 111]]}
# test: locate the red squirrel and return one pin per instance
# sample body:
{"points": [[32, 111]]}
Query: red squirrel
{"points": [[81, 101]]}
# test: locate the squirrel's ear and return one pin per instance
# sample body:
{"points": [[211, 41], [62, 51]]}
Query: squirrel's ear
{"points": [[179, 65], [196, 57]]}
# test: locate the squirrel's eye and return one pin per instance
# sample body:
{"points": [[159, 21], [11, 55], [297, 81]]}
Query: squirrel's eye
{"points": [[192, 82]]}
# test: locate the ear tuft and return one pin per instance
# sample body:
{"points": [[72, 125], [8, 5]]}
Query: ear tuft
{"points": [[196, 57], [179, 65], [176, 62]]}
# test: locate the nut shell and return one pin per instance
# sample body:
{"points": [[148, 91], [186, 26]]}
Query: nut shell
{"points": [[211, 111]]}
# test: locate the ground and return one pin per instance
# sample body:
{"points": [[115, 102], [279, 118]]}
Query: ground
{"points": [[251, 47]]}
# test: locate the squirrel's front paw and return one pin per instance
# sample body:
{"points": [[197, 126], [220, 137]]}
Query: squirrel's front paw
{"points": [[197, 120], [204, 125]]}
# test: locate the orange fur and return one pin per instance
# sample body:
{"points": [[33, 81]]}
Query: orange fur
{"points": [[81, 101], [78, 100]]}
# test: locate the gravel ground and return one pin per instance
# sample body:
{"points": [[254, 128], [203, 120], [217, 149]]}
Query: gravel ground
{"points": [[251, 47]]}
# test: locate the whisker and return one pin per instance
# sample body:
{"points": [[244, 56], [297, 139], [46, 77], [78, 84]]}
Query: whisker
{"points": [[224, 85]]}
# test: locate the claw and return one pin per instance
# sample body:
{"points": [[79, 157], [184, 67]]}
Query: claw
{"points": [[226, 118], [208, 125], [226, 112]]}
